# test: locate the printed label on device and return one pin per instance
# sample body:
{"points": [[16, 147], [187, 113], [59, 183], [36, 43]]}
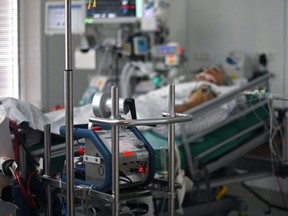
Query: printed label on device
{"points": [[91, 159]]}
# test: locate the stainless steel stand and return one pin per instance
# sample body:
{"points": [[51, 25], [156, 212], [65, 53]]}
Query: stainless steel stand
{"points": [[86, 193], [171, 150], [68, 89], [115, 123], [170, 118], [47, 166], [115, 151]]}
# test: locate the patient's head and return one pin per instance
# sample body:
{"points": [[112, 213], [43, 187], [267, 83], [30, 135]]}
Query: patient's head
{"points": [[214, 75]]}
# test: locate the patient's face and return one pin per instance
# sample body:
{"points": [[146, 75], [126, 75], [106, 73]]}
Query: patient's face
{"points": [[205, 77], [212, 75]]}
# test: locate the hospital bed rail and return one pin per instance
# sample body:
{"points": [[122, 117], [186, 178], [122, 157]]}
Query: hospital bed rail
{"points": [[218, 101], [193, 161]]}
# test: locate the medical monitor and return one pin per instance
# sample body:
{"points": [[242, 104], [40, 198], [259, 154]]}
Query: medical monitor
{"points": [[140, 45], [114, 11], [55, 17]]}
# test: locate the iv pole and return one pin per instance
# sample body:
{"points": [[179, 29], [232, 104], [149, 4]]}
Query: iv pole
{"points": [[68, 97]]}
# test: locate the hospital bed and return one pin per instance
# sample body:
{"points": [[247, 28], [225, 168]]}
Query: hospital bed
{"points": [[215, 148], [223, 144], [203, 148]]}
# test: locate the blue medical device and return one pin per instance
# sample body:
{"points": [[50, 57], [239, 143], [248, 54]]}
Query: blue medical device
{"points": [[136, 158]]}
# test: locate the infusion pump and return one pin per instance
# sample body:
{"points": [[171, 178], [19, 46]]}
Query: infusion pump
{"points": [[136, 159]]}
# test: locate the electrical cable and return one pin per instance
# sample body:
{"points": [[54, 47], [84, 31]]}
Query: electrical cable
{"points": [[28, 198], [274, 153], [29, 183], [19, 140], [79, 143], [273, 121], [254, 110], [125, 180], [64, 206], [94, 211], [278, 128], [272, 145], [129, 179], [122, 174], [15, 172]]}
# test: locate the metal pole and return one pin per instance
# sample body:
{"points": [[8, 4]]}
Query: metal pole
{"points": [[171, 149], [68, 43], [115, 150], [47, 161], [68, 89]]}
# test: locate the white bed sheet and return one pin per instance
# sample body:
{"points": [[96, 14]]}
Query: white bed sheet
{"points": [[150, 105], [157, 103]]}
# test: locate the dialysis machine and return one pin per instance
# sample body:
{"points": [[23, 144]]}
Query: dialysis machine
{"points": [[94, 166], [97, 166]]}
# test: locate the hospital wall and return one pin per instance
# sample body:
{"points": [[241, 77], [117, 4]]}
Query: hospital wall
{"points": [[43, 60], [31, 68], [252, 26]]}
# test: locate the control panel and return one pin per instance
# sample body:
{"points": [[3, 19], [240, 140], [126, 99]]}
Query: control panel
{"points": [[94, 166], [133, 157], [171, 53]]}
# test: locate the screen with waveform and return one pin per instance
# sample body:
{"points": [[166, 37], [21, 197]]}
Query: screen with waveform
{"points": [[114, 8]]}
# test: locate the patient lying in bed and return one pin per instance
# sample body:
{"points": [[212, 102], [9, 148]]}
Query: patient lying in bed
{"points": [[204, 93], [207, 85]]}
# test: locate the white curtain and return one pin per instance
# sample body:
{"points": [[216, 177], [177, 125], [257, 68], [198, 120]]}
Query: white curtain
{"points": [[9, 56]]}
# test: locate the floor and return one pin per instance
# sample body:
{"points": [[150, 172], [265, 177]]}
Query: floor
{"points": [[255, 206]]}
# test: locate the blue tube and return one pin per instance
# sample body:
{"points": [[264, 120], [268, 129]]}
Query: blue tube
{"points": [[64, 206]]}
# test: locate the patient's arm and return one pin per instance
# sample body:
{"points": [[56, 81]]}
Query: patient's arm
{"points": [[201, 95]]}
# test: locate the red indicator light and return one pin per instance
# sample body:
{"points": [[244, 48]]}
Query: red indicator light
{"points": [[128, 6], [96, 128], [141, 169], [127, 154], [81, 151]]}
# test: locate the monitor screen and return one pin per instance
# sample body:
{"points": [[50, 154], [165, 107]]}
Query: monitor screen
{"points": [[114, 10], [55, 17]]}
